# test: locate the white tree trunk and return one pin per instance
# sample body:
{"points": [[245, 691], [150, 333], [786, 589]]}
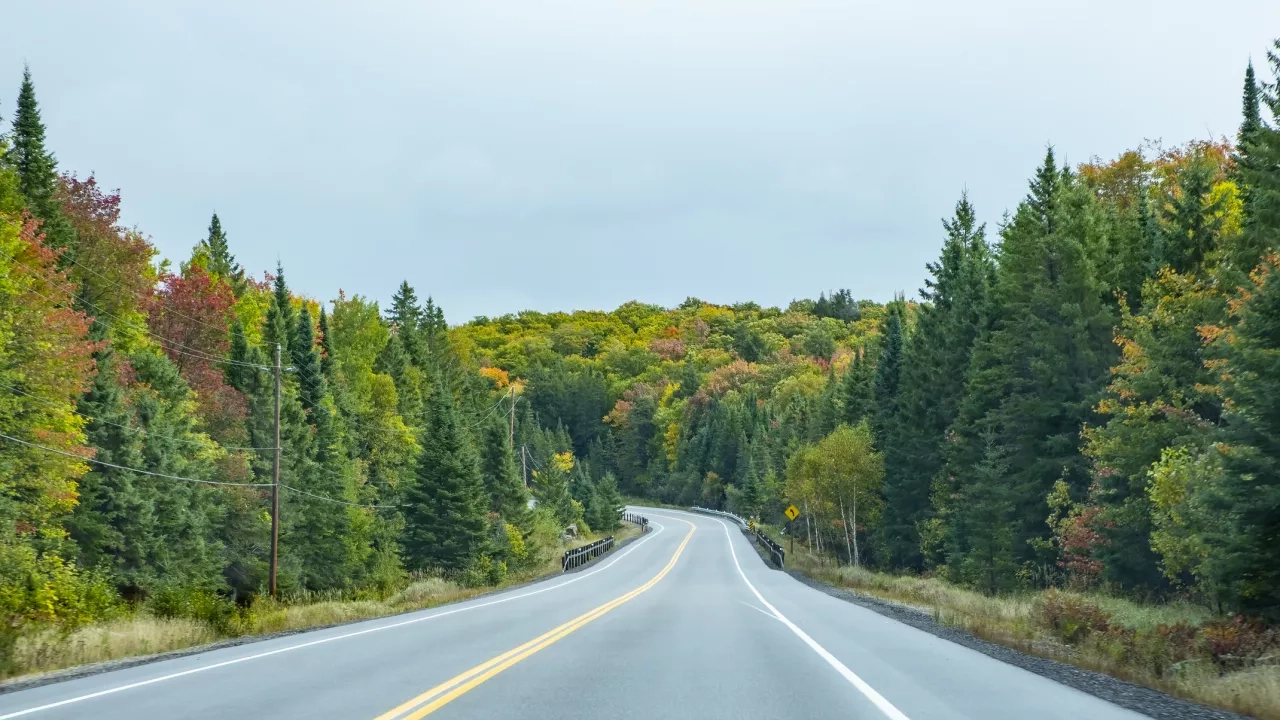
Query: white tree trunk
{"points": [[857, 560], [848, 544]]}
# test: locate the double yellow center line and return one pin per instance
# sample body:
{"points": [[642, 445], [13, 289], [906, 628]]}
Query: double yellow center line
{"points": [[449, 690]]}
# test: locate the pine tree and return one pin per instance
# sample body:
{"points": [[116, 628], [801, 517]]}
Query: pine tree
{"points": [[444, 519]]}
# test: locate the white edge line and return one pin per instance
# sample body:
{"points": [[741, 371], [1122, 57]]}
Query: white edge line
{"points": [[277, 651], [876, 698], [760, 610]]}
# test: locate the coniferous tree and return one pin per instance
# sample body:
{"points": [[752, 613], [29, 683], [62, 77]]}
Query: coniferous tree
{"points": [[36, 167], [221, 262], [1247, 566], [1034, 377], [937, 356], [306, 362], [888, 372], [444, 519], [507, 494], [857, 389]]}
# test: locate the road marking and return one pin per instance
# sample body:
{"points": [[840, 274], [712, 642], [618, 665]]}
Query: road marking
{"points": [[760, 610], [449, 690], [402, 623], [876, 698]]}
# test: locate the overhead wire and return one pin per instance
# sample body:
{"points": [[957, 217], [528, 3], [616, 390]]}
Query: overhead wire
{"points": [[90, 418], [165, 476]]}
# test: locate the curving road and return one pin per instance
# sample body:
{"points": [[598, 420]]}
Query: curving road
{"points": [[686, 622]]}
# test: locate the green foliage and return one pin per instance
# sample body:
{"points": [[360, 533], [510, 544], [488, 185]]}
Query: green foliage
{"points": [[444, 519]]}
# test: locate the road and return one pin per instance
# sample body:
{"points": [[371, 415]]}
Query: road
{"points": [[686, 622]]}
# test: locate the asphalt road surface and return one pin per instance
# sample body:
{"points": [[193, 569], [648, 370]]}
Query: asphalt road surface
{"points": [[685, 622]]}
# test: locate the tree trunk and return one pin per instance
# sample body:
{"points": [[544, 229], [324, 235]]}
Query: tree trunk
{"points": [[857, 559], [848, 544], [808, 531]]}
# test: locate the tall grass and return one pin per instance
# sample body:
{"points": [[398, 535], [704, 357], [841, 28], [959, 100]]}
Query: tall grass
{"points": [[1178, 648]]}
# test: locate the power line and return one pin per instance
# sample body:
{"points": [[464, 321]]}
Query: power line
{"points": [[329, 499], [90, 418], [184, 479], [129, 469]]}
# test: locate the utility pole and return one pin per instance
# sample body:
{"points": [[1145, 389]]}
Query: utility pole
{"points": [[275, 484], [511, 434]]}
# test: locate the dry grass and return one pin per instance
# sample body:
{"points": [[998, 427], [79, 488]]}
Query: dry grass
{"points": [[1015, 621], [131, 636], [142, 633]]}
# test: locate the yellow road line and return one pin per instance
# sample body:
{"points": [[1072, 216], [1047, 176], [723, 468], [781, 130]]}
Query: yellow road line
{"points": [[454, 687]]}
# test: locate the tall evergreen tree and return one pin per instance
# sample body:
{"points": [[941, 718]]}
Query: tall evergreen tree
{"points": [[221, 262], [1035, 376], [857, 389], [444, 519], [36, 166], [306, 362], [507, 494], [948, 324]]}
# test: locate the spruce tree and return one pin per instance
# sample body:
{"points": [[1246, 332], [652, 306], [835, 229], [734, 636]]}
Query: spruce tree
{"points": [[221, 262], [507, 494], [306, 362], [445, 524], [948, 324], [857, 388], [888, 371], [1247, 554], [1259, 172], [606, 505], [408, 319], [1035, 376], [326, 346], [36, 167]]}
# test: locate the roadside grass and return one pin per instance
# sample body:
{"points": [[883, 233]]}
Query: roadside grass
{"points": [[141, 632], [1178, 648]]}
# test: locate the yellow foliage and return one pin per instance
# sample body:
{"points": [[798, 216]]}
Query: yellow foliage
{"points": [[563, 461], [497, 375]]}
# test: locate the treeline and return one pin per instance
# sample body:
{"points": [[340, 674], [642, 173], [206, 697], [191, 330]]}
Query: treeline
{"points": [[1085, 396], [137, 431]]}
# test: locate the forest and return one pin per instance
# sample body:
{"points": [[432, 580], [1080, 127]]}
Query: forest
{"points": [[1085, 396]]}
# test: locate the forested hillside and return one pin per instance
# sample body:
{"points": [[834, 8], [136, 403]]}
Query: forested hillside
{"points": [[1084, 395], [137, 435]]}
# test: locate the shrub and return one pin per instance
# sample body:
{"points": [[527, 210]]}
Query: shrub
{"points": [[177, 601], [1071, 618]]}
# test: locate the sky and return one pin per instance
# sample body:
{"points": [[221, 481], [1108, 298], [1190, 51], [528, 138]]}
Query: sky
{"points": [[578, 154]]}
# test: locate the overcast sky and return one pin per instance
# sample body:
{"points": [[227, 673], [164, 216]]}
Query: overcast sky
{"points": [[582, 153]]}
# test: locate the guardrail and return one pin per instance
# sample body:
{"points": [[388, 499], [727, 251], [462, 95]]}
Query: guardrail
{"points": [[721, 513], [578, 557], [640, 520], [776, 553]]}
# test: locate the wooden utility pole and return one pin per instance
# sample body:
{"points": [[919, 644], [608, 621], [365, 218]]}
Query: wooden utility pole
{"points": [[275, 484], [511, 434]]}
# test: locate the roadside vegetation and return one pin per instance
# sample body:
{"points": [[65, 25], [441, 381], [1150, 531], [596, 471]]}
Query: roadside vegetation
{"points": [[1178, 647], [171, 622]]}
